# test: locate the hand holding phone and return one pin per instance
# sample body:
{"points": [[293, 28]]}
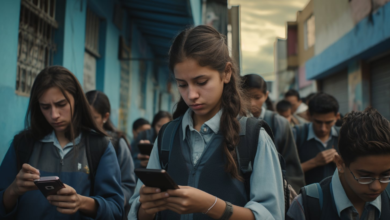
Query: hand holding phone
{"points": [[24, 181], [49, 185], [145, 148], [156, 178]]}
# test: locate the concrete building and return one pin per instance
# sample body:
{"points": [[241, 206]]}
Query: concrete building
{"points": [[300, 48], [352, 53], [117, 47], [285, 78], [345, 47]]}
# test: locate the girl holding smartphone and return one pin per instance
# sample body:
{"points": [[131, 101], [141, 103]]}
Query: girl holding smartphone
{"points": [[202, 160], [59, 124]]}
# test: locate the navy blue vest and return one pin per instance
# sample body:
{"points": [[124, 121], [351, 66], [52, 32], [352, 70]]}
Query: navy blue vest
{"points": [[212, 178]]}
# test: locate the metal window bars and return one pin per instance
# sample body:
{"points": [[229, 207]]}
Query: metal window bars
{"points": [[35, 43], [92, 33]]}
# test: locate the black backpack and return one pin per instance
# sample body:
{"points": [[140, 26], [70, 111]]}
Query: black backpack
{"points": [[95, 145], [246, 154]]}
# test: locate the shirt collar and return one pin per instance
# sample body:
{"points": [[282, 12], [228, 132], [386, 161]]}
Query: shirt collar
{"points": [[53, 138], [213, 123], [342, 202], [312, 134], [262, 113]]}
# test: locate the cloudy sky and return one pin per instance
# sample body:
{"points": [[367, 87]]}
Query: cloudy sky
{"points": [[261, 22]]}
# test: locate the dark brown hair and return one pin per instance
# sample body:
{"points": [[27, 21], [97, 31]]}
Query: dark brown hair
{"points": [[64, 80], [208, 47], [363, 134], [100, 102], [255, 81]]}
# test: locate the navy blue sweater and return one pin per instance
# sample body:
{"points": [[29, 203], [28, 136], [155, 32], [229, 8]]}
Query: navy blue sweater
{"points": [[33, 205]]}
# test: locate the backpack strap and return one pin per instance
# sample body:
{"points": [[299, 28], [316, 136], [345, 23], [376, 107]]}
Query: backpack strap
{"points": [[271, 116], [165, 141], [301, 133], [23, 144], [247, 148], [312, 199], [95, 146]]}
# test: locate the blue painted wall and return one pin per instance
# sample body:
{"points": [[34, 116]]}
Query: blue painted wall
{"points": [[196, 9], [70, 41], [72, 33], [14, 106], [365, 40]]}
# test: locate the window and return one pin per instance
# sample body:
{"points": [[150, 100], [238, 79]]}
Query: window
{"points": [[35, 43], [92, 33], [92, 50], [310, 35], [124, 97], [143, 83]]}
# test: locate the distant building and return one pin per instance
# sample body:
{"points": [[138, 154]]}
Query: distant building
{"points": [[300, 48], [345, 47], [285, 79]]}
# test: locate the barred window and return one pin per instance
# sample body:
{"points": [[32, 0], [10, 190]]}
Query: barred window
{"points": [[35, 44], [92, 33]]}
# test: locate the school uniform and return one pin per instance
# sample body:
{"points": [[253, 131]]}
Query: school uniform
{"points": [[193, 163], [285, 145], [126, 166], [340, 206], [309, 145], [70, 164]]}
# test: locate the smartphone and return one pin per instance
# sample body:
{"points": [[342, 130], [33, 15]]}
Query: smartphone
{"points": [[145, 148], [49, 185], [156, 178]]}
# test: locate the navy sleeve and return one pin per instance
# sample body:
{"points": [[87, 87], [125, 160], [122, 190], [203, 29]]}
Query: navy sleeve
{"points": [[127, 170], [8, 172], [108, 189]]}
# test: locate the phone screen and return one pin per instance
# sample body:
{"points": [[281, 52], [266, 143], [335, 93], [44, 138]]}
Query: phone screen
{"points": [[49, 185]]}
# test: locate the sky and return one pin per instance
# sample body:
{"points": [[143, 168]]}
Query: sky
{"points": [[261, 22]]}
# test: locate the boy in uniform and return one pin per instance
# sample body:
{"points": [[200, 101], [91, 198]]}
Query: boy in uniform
{"points": [[358, 189], [317, 141]]}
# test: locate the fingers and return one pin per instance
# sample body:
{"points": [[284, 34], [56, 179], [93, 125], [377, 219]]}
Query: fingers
{"points": [[66, 191], [178, 192], [64, 205], [180, 209], [29, 169], [154, 210], [144, 142], [29, 176], [143, 157], [154, 204], [149, 190], [153, 197], [66, 211]]}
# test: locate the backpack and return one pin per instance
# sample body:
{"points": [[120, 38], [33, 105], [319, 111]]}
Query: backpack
{"points": [[24, 146], [246, 155], [313, 198]]}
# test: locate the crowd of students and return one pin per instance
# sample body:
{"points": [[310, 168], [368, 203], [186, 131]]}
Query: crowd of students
{"points": [[232, 156]]}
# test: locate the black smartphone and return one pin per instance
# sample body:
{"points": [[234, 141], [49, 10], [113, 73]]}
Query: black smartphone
{"points": [[49, 185], [156, 178], [145, 148]]}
